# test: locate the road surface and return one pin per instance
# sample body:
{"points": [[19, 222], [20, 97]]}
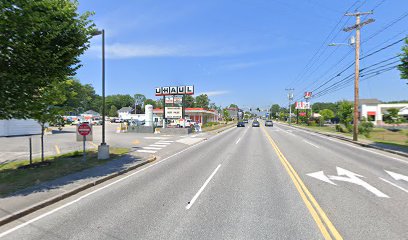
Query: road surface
{"points": [[246, 183]]}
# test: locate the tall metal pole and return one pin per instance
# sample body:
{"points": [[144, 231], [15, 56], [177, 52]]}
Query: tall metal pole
{"points": [[357, 27], [103, 87], [290, 98]]}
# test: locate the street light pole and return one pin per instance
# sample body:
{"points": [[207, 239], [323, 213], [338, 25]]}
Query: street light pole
{"points": [[103, 149]]}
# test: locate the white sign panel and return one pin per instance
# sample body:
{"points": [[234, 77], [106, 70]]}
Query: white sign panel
{"points": [[169, 100], [180, 90], [174, 112], [302, 105]]}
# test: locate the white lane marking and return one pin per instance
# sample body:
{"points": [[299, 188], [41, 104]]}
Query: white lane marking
{"points": [[164, 143], [395, 185], [239, 139], [320, 175], [152, 148], [158, 145], [202, 188], [156, 138], [397, 176], [355, 178], [146, 151], [311, 144], [363, 149], [106, 186]]}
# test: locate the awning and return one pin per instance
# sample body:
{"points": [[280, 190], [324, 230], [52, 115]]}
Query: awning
{"points": [[371, 113]]}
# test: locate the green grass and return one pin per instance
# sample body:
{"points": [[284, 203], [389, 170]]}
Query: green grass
{"points": [[215, 127], [13, 179]]}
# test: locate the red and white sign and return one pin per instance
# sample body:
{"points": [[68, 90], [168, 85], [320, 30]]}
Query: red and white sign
{"points": [[308, 95], [302, 105], [180, 90], [84, 129]]}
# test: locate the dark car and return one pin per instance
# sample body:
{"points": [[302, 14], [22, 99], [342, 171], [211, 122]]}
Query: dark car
{"points": [[241, 124], [268, 123], [255, 124], [245, 121]]}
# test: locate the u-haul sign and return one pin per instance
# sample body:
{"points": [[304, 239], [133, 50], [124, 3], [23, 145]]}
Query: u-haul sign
{"points": [[179, 90]]}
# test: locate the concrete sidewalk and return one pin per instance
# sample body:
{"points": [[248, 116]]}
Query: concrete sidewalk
{"points": [[33, 198]]}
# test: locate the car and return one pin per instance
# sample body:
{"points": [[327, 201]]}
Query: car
{"points": [[241, 124], [245, 121], [255, 124], [268, 123]]}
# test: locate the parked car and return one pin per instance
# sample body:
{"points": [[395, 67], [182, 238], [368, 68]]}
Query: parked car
{"points": [[245, 121], [241, 124], [255, 123], [268, 123]]}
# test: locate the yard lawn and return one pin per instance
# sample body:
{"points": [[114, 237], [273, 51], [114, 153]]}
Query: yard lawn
{"points": [[13, 177]]}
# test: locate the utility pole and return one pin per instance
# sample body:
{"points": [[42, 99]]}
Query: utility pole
{"points": [[290, 98], [357, 27]]}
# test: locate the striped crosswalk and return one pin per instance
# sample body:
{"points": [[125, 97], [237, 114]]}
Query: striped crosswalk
{"points": [[157, 146]]}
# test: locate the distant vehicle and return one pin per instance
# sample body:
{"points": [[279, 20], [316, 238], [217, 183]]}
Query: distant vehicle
{"points": [[268, 123], [245, 121], [96, 121], [118, 120], [255, 123], [241, 124], [182, 123]]}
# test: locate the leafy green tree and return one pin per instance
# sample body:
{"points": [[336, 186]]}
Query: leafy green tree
{"points": [[226, 115], [159, 103], [50, 106], [151, 102], [189, 101], [202, 101], [232, 105], [120, 100], [274, 109], [318, 106], [40, 45], [345, 113], [403, 67], [113, 111], [392, 116], [326, 114]]}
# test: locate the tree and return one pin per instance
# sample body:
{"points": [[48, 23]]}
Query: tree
{"points": [[151, 102], [392, 116], [50, 106], [345, 113], [202, 101], [274, 109], [403, 67], [120, 100], [213, 106], [113, 112], [159, 103], [232, 105], [189, 101], [226, 115], [40, 45], [139, 100], [326, 114]]}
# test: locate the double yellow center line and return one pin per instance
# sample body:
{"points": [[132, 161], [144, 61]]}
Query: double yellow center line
{"points": [[324, 224]]}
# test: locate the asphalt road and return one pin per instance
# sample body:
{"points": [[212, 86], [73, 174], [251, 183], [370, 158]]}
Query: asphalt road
{"points": [[246, 183]]}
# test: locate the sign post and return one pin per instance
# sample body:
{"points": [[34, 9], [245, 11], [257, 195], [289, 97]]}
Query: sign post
{"points": [[84, 130]]}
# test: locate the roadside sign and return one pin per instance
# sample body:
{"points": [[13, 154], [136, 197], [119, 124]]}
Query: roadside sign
{"points": [[84, 129]]}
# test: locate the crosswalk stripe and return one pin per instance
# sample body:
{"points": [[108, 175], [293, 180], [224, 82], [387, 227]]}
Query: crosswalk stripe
{"points": [[158, 145], [151, 148], [146, 151], [166, 143]]}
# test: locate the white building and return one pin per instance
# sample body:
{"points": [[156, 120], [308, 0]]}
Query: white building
{"points": [[373, 110]]}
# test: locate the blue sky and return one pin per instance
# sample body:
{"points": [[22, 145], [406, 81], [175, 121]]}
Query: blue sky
{"points": [[242, 51]]}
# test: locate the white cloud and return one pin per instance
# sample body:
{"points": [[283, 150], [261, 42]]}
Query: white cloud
{"points": [[241, 65], [214, 93], [120, 50]]}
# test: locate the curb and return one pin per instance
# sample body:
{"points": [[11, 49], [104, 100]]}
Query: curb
{"points": [[225, 128], [65, 195], [351, 141]]}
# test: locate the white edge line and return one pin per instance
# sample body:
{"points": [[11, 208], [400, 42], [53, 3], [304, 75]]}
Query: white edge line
{"points": [[202, 188], [393, 184], [151, 148], [239, 139], [347, 144], [101, 188], [311, 144], [146, 151]]}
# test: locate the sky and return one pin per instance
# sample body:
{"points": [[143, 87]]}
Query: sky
{"points": [[245, 52]]}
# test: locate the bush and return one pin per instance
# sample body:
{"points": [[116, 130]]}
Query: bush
{"points": [[339, 128], [312, 123], [210, 124], [365, 128]]}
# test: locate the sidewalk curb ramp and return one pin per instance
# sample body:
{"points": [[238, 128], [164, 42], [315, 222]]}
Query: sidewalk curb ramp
{"points": [[50, 201], [351, 141]]}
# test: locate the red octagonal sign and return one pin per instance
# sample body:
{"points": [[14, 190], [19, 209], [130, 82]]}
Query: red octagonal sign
{"points": [[84, 129]]}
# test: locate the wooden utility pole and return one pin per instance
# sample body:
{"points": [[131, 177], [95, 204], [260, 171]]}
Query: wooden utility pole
{"points": [[357, 27]]}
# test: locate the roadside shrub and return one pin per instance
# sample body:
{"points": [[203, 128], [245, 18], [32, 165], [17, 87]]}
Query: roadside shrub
{"points": [[210, 124], [312, 123], [365, 128], [339, 128]]}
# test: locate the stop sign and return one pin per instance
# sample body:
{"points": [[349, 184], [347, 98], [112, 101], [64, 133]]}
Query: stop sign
{"points": [[84, 129]]}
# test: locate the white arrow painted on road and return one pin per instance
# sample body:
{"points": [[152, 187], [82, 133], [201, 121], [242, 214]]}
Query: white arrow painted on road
{"points": [[397, 176], [320, 175], [354, 178], [345, 175]]}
